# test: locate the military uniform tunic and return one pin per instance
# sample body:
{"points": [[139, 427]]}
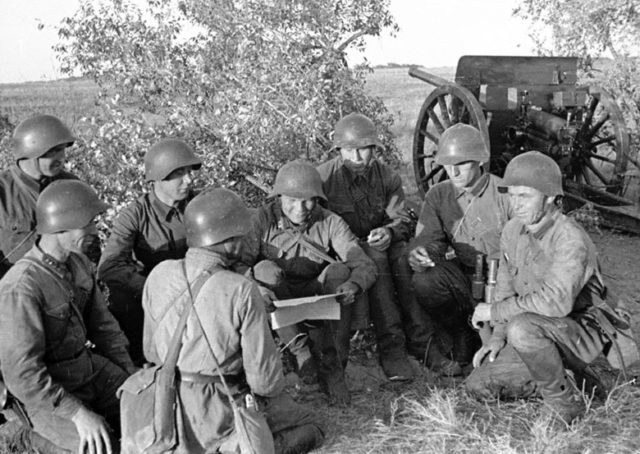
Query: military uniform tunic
{"points": [[231, 329], [50, 314]]}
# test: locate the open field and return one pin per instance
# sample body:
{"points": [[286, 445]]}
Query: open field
{"points": [[429, 415]]}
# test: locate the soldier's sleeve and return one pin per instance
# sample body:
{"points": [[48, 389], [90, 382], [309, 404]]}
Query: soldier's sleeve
{"points": [[397, 215], [105, 332], [563, 281], [430, 231], [150, 326], [22, 348], [252, 242], [363, 270], [504, 281], [260, 358], [117, 267]]}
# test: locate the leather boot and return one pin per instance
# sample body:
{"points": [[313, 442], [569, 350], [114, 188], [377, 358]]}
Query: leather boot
{"points": [[431, 357], [332, 380], [298, 440], [396, 365], [547, 369]]}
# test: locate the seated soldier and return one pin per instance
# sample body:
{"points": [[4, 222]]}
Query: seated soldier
{"points": [[460, 218], [297, 248], [62, 353], [39, 147], [368, 195], [147, 232], [548, 296], [226, 332]]}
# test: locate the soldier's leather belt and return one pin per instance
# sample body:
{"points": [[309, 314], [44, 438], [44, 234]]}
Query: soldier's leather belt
{"points": [[194, 377]]}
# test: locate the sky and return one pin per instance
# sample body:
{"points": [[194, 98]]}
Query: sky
{"points": [[432, 33]]}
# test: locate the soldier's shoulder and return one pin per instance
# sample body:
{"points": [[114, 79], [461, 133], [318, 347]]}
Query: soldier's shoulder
{"points": [[23, 277], [328, 168]]}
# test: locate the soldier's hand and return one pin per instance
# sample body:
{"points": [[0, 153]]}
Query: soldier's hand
{"points": [[481, 315], [93, 431], [419, 259], [379, 239], [269, 297], [492, 349], [347, 292]]}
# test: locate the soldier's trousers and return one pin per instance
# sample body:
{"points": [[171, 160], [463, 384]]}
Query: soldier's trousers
{"points": [[509, 376], [127, 310], [331, 339], [393, 284], [99, 396], [442, 296]]}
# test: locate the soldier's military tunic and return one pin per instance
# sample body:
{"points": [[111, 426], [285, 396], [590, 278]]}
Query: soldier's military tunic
{"points": [[60, 347], [229, 327], [548, 284], [144, 234], [18, 195]]}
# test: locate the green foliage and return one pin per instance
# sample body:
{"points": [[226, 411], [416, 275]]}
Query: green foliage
{"points": [[250, 83]]}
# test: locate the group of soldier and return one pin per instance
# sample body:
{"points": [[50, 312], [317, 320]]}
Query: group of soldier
{"points": [[68, 342]]}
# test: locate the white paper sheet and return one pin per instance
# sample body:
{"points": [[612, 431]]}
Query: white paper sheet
{"points": [[291, 311]]}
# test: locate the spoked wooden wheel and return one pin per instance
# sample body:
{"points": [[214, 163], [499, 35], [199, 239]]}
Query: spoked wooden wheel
{"points": [[601, 147], [444, 107]]}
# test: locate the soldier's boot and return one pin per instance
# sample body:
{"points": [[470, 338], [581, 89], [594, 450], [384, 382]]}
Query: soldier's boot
{"points": [[596, 378], [331, 379], [394, 359], [561, 403], [465, 339], [306, 366], [431, 357], [298, 440]]}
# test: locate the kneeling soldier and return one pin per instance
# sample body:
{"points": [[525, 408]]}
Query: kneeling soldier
{"points": [[549, 301], [227, 332], [62, 353]]}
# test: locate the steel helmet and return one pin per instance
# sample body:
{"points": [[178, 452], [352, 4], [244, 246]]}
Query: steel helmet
{"points": [[166, 156], [355, 131], [36, 135], [298, 179], [461, 143], [214, 216], [535, 170], [67, 205]]}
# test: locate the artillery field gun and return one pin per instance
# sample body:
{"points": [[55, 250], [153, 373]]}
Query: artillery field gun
{"points": [[534, 103]]}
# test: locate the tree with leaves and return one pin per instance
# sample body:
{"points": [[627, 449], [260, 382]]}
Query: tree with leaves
{"points": [[250, 83]]}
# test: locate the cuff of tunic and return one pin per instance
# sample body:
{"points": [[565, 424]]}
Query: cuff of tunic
{"points": [[68, 406]]}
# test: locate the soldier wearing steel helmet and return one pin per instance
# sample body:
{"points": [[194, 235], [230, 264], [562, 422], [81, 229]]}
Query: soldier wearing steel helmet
{"points": [[460, 218], [228, 328], [39, 145], [297, 248], [368, 195], [62, 353], [148, 231], [549, 301]]}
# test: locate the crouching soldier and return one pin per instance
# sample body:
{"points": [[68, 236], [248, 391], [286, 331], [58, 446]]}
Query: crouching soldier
{"points": [[226, 333], [297, 249], [62, 353], [548, 308], [148, 231], [369, 197], [39, 147], [460, 218]]}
